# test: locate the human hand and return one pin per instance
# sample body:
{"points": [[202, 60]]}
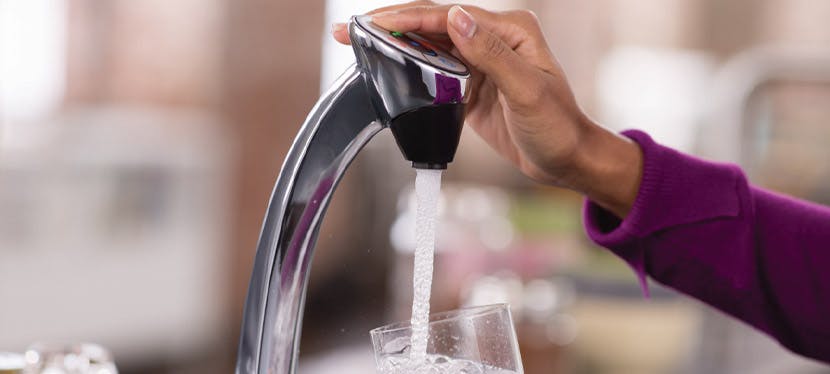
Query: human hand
{"points": [[521, 103]]}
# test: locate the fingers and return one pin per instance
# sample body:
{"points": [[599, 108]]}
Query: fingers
{"points": [[392, 8], [515, 27], [489, 41], [421, 19], [518, 80], [341, 32], [518, 28]]}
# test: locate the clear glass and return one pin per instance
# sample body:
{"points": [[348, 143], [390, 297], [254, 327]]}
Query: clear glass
{"points": [[83, 358], [479, 339], [11, 363]]}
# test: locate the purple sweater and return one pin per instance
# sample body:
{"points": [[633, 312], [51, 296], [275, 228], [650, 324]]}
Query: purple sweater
{"points": [[700, 228]]}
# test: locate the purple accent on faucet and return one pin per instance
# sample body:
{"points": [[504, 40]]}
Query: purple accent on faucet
{"points": [[447, 90], [313, 206]]}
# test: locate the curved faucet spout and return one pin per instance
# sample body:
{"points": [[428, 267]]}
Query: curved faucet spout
{"points": [[341, 123], [400, 81]]}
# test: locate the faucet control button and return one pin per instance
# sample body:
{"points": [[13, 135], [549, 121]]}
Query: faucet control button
{"points": [[426, 47], [397, 42], [406, 41], [417, 44], [414, 46], [443, 62]]}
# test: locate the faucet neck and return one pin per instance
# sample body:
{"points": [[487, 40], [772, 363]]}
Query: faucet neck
{"points": [[339, 125]]}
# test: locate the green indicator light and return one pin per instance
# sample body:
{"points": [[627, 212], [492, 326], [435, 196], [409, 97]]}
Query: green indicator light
{"points": [[396, 34]]}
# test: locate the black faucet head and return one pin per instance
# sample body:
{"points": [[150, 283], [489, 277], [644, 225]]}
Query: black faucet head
{"points": [[417, 89], [429, 136]]}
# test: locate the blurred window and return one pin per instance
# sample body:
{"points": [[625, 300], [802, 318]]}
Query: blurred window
{"points": [[32, 61]]}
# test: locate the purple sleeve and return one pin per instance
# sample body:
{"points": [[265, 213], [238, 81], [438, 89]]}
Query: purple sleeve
{"points": [[700, 228]]}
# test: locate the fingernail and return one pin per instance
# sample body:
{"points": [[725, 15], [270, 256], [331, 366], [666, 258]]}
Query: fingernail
{"points": [[462, 21], [337, 27]]}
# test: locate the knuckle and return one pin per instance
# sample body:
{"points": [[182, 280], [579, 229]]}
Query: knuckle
{"points": [[420, 9], [521, 25], [493, 47], [523, 16], [528, 15]]}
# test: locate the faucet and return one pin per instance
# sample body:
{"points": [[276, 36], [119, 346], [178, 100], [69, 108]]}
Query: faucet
{"points": [[400, 81]]}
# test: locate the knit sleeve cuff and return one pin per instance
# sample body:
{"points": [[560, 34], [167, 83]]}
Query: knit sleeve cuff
{"points": [[676, 189]]}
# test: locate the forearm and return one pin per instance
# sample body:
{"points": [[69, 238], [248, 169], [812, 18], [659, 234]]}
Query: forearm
{"points": [[700, 228]]}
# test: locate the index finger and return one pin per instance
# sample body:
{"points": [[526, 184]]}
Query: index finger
{"points": [[392, 8], [518, 29], [341, 34], [433, 20]]}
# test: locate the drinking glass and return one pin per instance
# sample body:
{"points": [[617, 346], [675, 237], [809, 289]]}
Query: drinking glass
{"points": [[480, 340], [83, 358], [11, 363]]}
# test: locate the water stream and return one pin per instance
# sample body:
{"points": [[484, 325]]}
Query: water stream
{"points": [[427, 191]]}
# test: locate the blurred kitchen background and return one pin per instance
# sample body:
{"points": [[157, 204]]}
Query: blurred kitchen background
{"points": [[140, 140]]}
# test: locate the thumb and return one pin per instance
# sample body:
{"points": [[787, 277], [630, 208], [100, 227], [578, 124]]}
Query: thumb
{"points": [[492, 56]]}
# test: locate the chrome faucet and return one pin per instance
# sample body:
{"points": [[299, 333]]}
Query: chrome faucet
{"points": [[400, 81]]}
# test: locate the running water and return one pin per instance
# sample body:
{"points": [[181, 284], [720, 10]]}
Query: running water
{"points": [[415, 359], [427, 192]]}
